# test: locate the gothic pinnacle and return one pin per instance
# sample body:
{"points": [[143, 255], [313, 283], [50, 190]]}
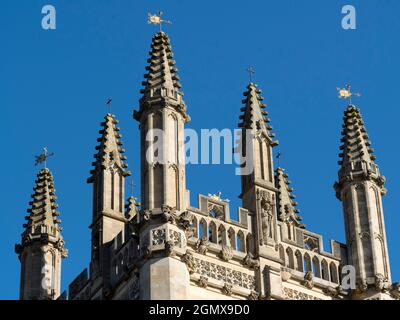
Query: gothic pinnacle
{"points": [[161, 85], [109, 150], [42, 221], [254, 115], [356, 146], [287, 207]]}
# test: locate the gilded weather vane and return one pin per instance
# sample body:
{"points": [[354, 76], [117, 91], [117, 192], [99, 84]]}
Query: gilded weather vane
{"points": [[345, 93], [42, 158], [156, 19]]}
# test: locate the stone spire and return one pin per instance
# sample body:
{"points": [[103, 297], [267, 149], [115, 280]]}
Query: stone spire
{"points": [[360, 187], [109, 149], [161, 80], [108, 179], [42, 245], [287, 206], [254, 113], [356, 147]]}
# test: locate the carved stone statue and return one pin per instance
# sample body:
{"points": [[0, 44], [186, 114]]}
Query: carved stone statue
{"points": [[308, 280], [226, 253], [187, 258], [381, 283], [267, 218], [202, 245]]}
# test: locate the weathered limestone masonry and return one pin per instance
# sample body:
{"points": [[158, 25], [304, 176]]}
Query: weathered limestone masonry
{"points": [[164, 248]]}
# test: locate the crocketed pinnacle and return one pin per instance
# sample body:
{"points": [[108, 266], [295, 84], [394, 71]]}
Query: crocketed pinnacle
{"points": [[161, 71], [357, 159], [161, 85], [254, 114], [132, 208], [109, 150], [287, 207], [356, 146], [43, 223]]}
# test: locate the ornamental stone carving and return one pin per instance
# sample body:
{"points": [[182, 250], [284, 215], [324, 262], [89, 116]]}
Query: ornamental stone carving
{"points": [[381, 283], [254, 295], [395, 290], [187, 258], [227, 289], [308, 281], [226, 253], [224, 274], [362, 286], [292, 294], [250, 261], [202, 245], [203, 282]]}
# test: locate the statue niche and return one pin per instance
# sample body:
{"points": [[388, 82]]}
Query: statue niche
{"points": [[267, 217]]}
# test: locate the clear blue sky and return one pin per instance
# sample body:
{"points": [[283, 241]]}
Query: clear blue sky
{"points": [[53, 85]]}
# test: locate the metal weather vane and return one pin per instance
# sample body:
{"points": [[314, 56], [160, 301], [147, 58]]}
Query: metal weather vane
{"points": [[156, 19], [42, 158], [345, 93]]}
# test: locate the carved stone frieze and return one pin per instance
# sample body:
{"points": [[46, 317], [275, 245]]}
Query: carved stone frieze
{"points": [[292, 294], [224, 274]]}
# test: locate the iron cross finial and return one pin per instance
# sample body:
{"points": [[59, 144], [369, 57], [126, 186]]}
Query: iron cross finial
{"points": [[278, 157], [156, 19], [251, 71], [345, 93], [132, 185], [109, 104], [42, 158]]}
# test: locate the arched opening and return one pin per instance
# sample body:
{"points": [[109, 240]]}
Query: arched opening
{"points": [[334, 272], [250, 243], [222, 235], [307, 263], [203, 229], [299, 261], [240, 243], [324, 270], [232, 238], [316, 267], [289, 258], [212, 233], [195, 227], [282, 254]]}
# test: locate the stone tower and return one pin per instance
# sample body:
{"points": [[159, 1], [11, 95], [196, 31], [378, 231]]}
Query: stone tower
{"points": [[162, 116], [259, 193], [360, 188], [108, 216], [42, 245]]}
